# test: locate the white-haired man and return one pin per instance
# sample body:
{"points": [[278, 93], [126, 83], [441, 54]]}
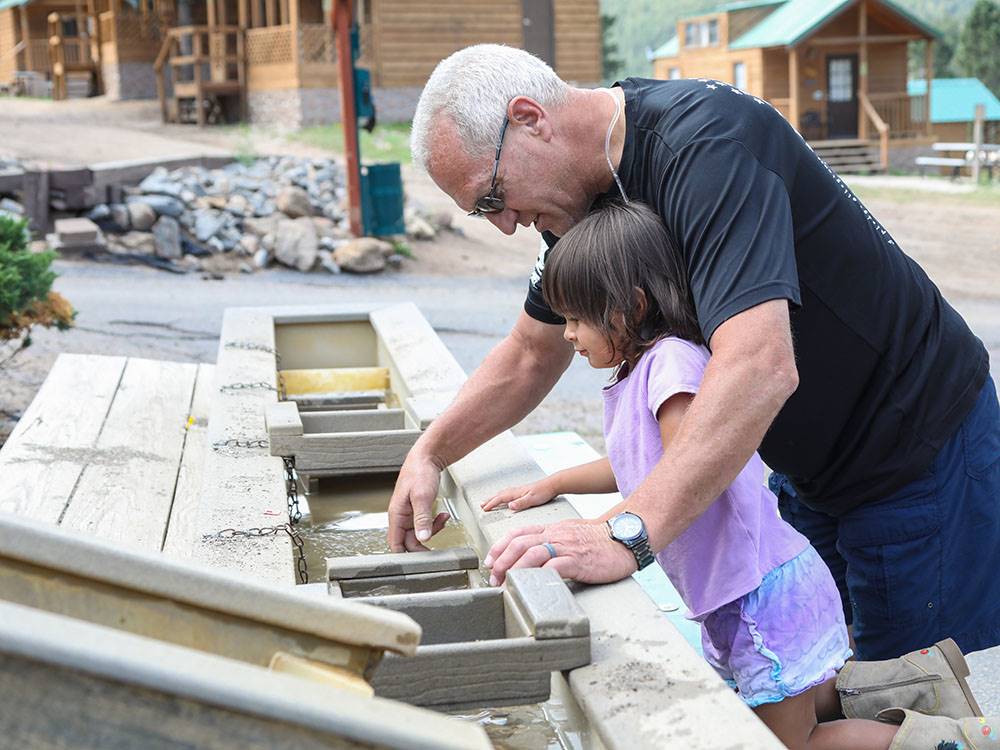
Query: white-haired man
{"points": [[882, 414]]}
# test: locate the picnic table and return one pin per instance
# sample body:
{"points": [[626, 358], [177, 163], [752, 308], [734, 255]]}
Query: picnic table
{"points": [[973, 156]]}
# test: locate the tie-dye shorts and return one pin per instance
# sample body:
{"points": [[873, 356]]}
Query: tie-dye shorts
{"points": [[782, 638]]}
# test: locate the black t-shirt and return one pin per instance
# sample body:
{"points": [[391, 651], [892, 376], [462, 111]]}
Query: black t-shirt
{"points": [[887, 368]]}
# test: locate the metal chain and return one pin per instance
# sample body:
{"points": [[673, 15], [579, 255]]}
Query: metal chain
{"points": [[252, 347], [292, 490], [247, 387], [237, 443], [300, 560]]}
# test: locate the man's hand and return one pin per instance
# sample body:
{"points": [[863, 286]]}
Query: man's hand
{"points": [[584, 552], [412, 503]]}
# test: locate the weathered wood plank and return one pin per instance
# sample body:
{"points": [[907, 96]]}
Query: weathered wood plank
{"points": [[68, 683], [451, 616], [48, 449], [243, 487], [160, 597], [355, 420], [182, 524], [498, 672], [125, 491], [346, 451]]}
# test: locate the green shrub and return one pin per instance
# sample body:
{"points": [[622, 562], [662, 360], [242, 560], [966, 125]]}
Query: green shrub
{"points": [[26, 296]]}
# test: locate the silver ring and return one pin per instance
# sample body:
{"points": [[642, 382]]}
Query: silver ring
{"points": [[550, 549]]}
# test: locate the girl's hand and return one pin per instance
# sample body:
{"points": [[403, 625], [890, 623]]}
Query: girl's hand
{"points": [[519, 498]]}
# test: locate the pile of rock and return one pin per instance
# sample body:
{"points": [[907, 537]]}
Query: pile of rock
{"points": [[280, 209]]}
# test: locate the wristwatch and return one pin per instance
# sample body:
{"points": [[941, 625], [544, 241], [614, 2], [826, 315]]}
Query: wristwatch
{"points": [[628, 529]]}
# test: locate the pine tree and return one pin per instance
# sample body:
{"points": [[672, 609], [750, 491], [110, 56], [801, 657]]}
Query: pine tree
{"points": [[26, 296], [977, 47]]}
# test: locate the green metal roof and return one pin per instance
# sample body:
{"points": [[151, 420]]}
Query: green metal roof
{"points": [[955, 99], [745, 5], [670, 49], [797, 19], [4, 4]]}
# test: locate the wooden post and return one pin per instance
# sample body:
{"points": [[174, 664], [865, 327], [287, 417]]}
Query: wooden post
{"points": [[271, 13], [977, 142], [929, 77], [198, 103], [793, 87], [341, 18], [35, 192], [292, 7], [863, 68], [29, 58]]}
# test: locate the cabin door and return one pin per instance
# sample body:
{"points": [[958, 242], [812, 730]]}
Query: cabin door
{"points": [[539, 29], [842, 99]]}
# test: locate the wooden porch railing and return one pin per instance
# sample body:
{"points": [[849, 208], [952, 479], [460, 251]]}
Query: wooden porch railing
{"points": [[269, 45], [880, 125], [214, 56], [906, 115]]}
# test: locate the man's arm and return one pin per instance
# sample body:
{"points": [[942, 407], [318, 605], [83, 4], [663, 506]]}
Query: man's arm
{"points": [[512, 381], [749, 377]]}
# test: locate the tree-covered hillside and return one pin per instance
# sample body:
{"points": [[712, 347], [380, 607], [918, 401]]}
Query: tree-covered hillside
{"points": [[643, 24]]}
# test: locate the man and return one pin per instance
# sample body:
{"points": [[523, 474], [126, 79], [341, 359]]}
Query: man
{"points": [[832, 352]]}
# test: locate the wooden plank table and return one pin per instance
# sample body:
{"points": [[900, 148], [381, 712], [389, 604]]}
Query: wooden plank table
{"points": [[112, 447]]}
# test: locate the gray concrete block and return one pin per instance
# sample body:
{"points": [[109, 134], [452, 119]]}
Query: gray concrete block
{"points": [[547, 604], [404, 563]]}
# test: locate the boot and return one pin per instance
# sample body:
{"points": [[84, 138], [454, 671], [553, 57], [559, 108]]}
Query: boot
{"points": [[930, 681], [920, 732]]}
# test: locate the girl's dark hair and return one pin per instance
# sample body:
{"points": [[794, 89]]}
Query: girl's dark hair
{"points": [[593, 272]]}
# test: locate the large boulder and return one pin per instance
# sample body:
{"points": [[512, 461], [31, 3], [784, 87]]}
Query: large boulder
{"points": [[363, 255], [167, 237], [296, 244], [293, 202]]}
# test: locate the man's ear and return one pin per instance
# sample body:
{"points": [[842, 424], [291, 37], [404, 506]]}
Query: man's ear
{"points": [[527, 113]]}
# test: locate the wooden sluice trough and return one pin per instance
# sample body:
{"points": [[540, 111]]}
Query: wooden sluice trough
{"points": [[311, 411]]}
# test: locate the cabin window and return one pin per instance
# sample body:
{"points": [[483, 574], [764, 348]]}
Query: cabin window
{"points": [[674, 74], [69, 27], [701, 33], [740, 76]]}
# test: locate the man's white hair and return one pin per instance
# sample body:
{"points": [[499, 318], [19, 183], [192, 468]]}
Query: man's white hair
{"points": [[472, 88]]}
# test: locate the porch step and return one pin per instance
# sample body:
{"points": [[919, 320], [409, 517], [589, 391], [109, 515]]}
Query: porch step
{"points": [[849, 156]]}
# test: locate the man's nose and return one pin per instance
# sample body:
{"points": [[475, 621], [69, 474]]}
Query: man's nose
{"points": [[569, 335], [505, 221]]}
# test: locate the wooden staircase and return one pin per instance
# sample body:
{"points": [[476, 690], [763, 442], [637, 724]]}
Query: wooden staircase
{"points": [[75, 72], [850, 156], [207, 80]]}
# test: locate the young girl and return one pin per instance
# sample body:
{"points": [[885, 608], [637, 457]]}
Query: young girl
{"points": [[770, 613]]}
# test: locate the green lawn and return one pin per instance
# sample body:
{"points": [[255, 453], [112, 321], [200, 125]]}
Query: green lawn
{"points": [[389, 142], [983, 195]]}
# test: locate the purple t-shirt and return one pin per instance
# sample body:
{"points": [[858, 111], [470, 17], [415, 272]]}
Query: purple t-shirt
{"points": [[726, 552]]}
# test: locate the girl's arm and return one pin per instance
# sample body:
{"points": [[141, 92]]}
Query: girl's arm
{"points": [[594, 478]]}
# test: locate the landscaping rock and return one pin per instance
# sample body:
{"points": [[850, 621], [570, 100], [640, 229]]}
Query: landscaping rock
{"points": [[363, 255], [135, 242], [327, 262], [164, 205], [296, 244], [294, 202], [141, 216], [249, 244], [419, 228], [207, 224], [167, 236], [261, 258]]}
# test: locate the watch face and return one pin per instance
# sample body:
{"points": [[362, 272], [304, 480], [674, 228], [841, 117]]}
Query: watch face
{"points": [[626, 526]]}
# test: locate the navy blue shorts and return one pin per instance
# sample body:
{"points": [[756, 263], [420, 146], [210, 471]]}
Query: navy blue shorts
{"points": [[923, 564]]}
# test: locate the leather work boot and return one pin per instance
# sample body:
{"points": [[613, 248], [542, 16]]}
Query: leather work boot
{"points": [[921, 732], [930, 681]]}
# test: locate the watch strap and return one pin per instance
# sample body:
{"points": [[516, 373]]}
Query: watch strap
{"points": [[643, 554]]}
